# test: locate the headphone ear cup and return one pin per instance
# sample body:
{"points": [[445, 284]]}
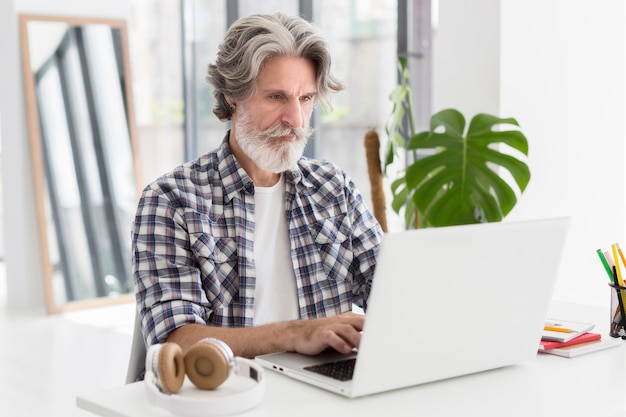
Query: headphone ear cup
{"points": [[207, 365], [171, 367]]}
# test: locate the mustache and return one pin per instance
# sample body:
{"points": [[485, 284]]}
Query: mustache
{"points": [[301, 133]]}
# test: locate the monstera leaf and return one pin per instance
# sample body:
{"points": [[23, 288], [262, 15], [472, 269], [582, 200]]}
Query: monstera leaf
{"points": [[459, 180]]}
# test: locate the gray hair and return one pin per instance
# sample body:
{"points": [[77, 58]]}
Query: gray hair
{"points": [[253, 40]]}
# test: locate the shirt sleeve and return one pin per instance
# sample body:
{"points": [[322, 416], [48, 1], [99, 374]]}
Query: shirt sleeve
{"points": [[367, 236], [167, 282]]}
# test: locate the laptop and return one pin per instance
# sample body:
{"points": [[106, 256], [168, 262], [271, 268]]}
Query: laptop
{"points": [[445, 302]]}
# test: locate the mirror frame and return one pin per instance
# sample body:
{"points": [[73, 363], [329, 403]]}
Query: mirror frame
{"points": [[37, 158]]}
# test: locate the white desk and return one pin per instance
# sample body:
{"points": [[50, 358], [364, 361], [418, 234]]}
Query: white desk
{"points": [[589, 385]]}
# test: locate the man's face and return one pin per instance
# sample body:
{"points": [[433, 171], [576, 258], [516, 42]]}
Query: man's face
{"points": [[272, 125]]}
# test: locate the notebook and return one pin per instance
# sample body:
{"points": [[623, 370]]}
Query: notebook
{"points": [[446, 302], [559, 330]]}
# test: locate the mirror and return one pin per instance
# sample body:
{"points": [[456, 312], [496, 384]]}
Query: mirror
{"points": [[84, 157]]}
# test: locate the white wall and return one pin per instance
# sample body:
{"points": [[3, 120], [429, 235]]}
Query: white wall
{"points": [[559, 69], [24, 277], [466, 64]]}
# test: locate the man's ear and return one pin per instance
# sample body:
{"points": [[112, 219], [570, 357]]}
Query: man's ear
{"points": [[231, 103]]}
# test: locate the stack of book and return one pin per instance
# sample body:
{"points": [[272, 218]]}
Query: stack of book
{"points": [[571, 338]]}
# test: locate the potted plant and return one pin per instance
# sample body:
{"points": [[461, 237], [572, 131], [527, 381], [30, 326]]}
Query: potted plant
{"points": [[459, 180]]}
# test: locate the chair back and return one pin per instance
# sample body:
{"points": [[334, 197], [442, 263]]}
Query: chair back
{"points": [[137, 361]]}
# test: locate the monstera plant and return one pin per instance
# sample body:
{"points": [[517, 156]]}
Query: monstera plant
{"points": [[455, 171]]}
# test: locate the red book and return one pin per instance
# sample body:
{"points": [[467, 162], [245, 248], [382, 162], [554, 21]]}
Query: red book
{"points": [[583, 338]]}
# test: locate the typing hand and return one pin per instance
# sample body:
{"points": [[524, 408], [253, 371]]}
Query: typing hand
{"points": [[342, 333]]}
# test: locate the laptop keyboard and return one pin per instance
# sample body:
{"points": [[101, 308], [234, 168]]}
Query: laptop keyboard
{"points": [[341, 369]]}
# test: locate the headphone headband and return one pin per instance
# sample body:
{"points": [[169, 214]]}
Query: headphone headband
{"points": [[207, 364], [211, 405]]}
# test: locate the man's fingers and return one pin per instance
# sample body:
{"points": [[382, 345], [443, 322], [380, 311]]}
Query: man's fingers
{"points": [[342, 333], [340, 345], [342, 337]]}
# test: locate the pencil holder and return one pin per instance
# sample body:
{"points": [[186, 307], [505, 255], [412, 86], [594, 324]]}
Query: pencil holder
{"points": [[618, 311]]}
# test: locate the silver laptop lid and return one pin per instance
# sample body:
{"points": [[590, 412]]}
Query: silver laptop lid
{"points": [[457, 300]]}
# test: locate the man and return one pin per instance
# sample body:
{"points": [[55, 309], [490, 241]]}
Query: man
{"points": [[252, 243]]}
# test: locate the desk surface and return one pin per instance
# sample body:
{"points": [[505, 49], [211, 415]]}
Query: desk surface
{"points": [[589, 385]]}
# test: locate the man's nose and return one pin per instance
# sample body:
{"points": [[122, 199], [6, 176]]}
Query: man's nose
{"points": [[293, 114]]}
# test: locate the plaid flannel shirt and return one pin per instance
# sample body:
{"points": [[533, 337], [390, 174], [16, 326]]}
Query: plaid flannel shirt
{"points": [[192, 243]]}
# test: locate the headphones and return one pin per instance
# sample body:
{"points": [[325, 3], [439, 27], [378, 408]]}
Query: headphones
{"points": [[207, 364]]}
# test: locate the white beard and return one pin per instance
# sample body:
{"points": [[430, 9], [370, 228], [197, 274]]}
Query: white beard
{"points": [[266, 149]]}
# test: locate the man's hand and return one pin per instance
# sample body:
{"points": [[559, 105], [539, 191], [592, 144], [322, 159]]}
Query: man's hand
{"points": [[342, 333], [312, 336]]}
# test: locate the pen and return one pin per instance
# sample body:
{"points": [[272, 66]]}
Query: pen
{"points": [[605, 263]]}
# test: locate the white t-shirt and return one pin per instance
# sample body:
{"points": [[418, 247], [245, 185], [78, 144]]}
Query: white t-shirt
{"points": [[276, 296]]}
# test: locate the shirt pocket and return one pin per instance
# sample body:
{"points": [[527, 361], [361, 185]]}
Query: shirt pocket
{"points": [[217, 259], [332, 239], [217, 250]]}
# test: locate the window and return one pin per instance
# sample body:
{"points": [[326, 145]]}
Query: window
{"points": [[175, 117], [155, 53]]}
